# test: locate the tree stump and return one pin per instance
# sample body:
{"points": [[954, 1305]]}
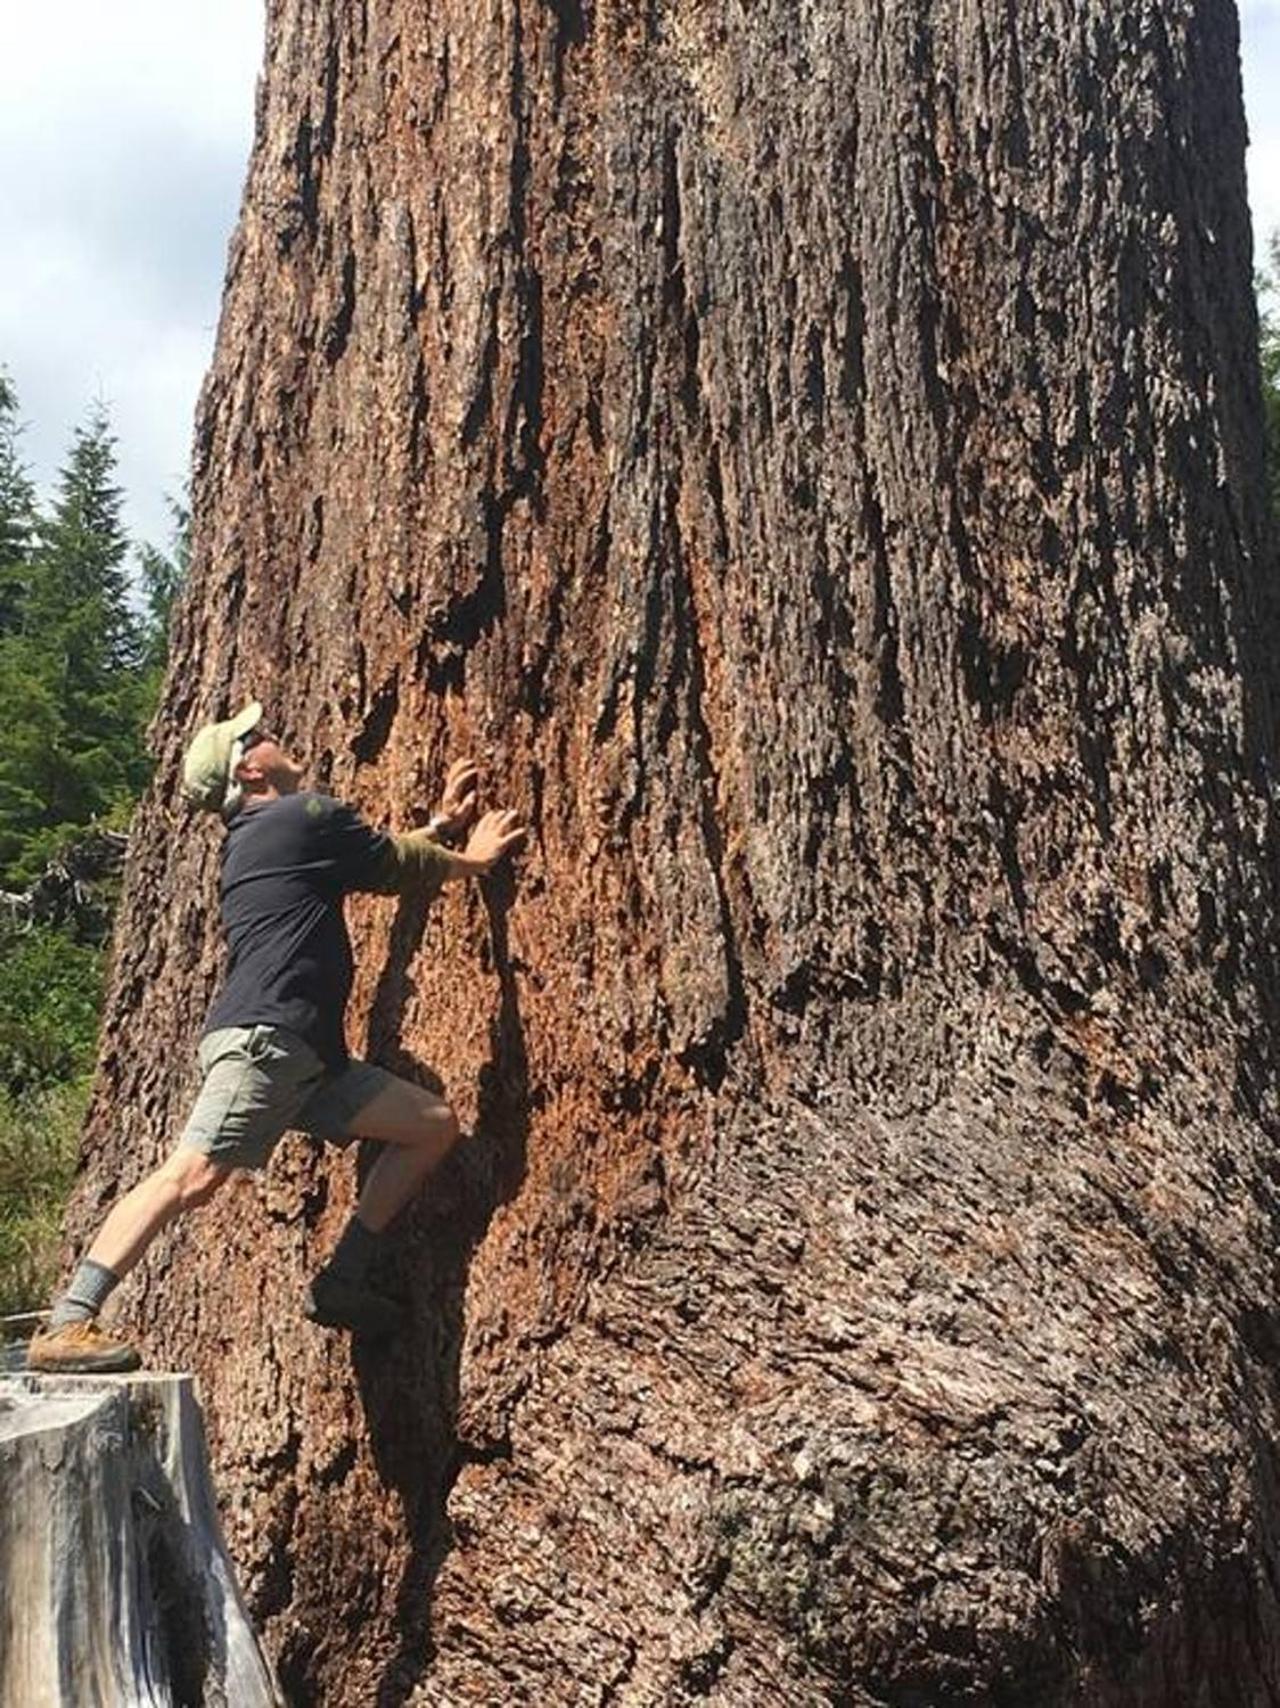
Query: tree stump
{"points": [[118, 1588]]}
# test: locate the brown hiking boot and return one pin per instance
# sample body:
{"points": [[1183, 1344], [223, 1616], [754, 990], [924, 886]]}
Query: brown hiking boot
{"points": [[80, 1349]]}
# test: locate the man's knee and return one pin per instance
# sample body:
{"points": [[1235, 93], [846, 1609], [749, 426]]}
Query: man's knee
{"points": [[406, 1114], [441, 1124], [192, 1176]]}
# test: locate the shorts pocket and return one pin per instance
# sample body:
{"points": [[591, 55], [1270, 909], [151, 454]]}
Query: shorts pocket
{"points": [[258, 1045]]}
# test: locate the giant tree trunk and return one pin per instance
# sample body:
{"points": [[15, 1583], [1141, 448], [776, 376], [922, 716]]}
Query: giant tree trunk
{"points": [[812, 453]]}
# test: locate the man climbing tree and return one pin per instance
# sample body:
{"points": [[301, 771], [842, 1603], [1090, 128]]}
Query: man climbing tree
{"points": [[274, 1053]]}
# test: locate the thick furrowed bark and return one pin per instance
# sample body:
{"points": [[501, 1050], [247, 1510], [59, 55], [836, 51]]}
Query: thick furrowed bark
{"points": [[813, 455]]}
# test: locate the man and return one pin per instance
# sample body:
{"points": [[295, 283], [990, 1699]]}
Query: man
{"points": [[274, 1053]]}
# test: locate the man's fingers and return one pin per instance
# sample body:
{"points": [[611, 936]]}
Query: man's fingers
{"points": [[463, 778], [461, 790], [498, 832]]}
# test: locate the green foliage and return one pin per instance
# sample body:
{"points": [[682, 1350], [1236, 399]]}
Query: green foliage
{"points": [[39, 1142], [74, 667], [163, 576], [17, 511], [82, 650], [1269, 354], [50, 998], [50, 1001]]}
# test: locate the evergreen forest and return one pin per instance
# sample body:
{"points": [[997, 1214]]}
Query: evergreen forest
{"points": [[83, 625]]}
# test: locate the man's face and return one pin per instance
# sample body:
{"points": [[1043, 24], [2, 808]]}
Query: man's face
{"points": [[263, 759]]}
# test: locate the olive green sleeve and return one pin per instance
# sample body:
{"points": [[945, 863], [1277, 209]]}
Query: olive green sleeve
{"points": [[412, 862]]}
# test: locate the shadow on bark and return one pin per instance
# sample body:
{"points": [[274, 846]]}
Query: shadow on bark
{"points": [[410, 1392]]}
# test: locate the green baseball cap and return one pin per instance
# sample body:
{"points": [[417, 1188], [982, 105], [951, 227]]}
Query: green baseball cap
{"points": [[212, 757]]}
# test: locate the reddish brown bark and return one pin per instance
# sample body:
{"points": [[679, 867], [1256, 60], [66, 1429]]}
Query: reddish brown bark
{"points": [[812, 453]]}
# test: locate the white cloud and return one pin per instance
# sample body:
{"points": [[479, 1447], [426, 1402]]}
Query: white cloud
{"points": [[124, 133], [188, 66]]}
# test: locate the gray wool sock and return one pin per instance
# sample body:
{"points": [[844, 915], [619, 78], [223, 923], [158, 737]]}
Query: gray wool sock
{"points": [[354, 1252], [89, 1289]]}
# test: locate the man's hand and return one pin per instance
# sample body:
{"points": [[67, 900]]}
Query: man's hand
{"points": [[496, 834], [458, 803]]}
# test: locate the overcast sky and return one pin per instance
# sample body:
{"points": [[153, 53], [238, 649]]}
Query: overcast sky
{"points": [[124, 132]]}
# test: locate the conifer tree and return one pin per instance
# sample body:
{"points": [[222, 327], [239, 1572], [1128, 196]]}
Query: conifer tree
{"points": [[1269, 351], [71, 673], [163, 575], [17, 510]]}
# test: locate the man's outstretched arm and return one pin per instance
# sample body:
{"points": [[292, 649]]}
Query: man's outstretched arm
{"points": [[415, 861]]}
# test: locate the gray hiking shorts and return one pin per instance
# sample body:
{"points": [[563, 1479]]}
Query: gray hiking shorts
{"points": [[261, 1082]]}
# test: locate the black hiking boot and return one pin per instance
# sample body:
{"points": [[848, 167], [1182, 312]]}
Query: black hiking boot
{"points": [[334, 1302]]}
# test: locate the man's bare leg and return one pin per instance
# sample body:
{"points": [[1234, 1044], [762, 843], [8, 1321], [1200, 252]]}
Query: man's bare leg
{"points": [[186, 1180], [73, 1341], [418, 1129]]}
